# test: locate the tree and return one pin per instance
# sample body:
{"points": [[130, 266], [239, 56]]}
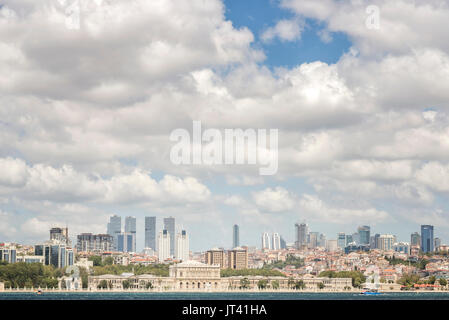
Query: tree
{"points": [[320, 285], [149, 285], [126, 284], [103, 284], [244, 283], [108, 261], [96, 260], [262, 284], [299, 285], [443, 282], [291, 282], [275, 284], [432, 280]]}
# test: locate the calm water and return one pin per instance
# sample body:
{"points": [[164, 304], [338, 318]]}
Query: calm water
{"points": [[222, 296]]}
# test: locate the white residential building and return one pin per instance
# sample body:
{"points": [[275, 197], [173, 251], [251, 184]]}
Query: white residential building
{"points": [[163, 243], [182, 246]]}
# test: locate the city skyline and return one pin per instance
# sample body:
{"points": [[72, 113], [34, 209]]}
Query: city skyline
{"points": [[360, 112]]}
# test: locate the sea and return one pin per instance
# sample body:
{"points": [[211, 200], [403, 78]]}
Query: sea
{"points": [[220, 296]]}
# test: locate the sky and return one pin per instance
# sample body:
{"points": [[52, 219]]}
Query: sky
{"points": [[90, 92]]}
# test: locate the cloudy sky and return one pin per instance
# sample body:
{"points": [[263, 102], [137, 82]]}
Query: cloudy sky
{"points": [[86, 113]]}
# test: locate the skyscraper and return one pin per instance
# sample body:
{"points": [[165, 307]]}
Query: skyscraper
{"points": [[415, 239], [313, 239], [130, 227], [437, 244], [169, 225], [150, 232], [341, 240], [163, 244], [114, 228], [276, 241], [385, 242], [427, 241], [126, 242], [235, 236], [364, 234], [60, 234], [266, 243], [182, 246], [283, 243], [301, 235]]}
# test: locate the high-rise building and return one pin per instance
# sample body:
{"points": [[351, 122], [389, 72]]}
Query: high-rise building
{"points": [[349, 239], [55, 253], [130, 227], [364, 234], [415, 239], [235, 236], [169, 225], [313, 239], [374, 240], [341, 240], [60, 234], [385, 242], [216, 256], [163, 244], [126, 242], [331, 245], [356, 238], [283, 243], [437, 244], [8, 253], [150, 232], [276, 241], [266, 242], [322, 241], [301, 235], [88, 242], [182, 246], [238, 258], [427, 241], [115, 228]]}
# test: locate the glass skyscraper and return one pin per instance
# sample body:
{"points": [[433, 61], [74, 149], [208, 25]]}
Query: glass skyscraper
{"points": [[114, 228], [364, 234], [235, 236], [427, 240], [169, 225], [150, 232], [130, 227]]}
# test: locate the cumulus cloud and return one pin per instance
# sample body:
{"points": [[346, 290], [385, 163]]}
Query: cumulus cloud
{"points": [[274, 200], [285, 30]]}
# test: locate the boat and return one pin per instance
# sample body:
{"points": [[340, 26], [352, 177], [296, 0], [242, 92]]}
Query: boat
{"points": [[371, 292], [39, 291]]}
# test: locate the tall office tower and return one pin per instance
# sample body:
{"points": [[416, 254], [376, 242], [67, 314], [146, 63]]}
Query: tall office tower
{"points": [[266, 243], [8, 253], [373, 241], [235, 236], [437, 244], [385, 242], [60, 234], [415, 239], [169, 225], [356, 238], [301, 235], [126, 242], [182, 246], [283, 243], [427, 241], [216, 256], [313, 239], [130, 227], [348, 239], [322, 241], [403, 247], [114, 228], [341, 240], [163, 245], [276, 241], [88, 242], [55, 253], [150, 232], [238, 258], [364, 234]]}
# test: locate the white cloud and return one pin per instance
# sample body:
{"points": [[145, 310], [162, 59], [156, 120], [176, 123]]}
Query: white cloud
{"points": [[285, 30], [274, 200]]}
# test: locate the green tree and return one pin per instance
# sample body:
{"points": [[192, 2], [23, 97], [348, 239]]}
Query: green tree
{"points": [[275, 284], [290, 282], [96, 260], [149, 285], [432, 280], [244, 283], [103, 284], [126, 284], [299, 285], [262, 284], [443, 282], [320, 285]]}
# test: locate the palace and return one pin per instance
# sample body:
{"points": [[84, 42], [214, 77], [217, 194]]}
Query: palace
{"points": [[193, 275]]}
